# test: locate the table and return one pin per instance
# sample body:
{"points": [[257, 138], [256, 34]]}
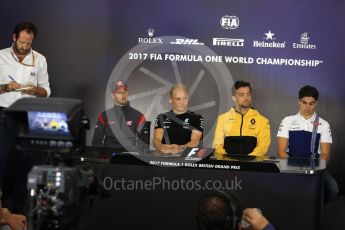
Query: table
{"points": [[143, 195]]}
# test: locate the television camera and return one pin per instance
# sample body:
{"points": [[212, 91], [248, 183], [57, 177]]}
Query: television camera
{"points": [[53, 130]]}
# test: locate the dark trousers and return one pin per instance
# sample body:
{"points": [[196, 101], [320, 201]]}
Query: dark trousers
{"points": [[331, 187]]}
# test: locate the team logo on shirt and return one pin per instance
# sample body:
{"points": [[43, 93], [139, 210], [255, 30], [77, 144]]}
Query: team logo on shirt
{"points": [[316, 123], [33, 74], [252, 124], [167, 123], [294, 122], [201, 123], [129, 123], [186, 123], [295, 125]]}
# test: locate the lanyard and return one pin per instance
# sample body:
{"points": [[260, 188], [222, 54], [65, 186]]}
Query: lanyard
{"points": [[313, 137], [166, 136]]}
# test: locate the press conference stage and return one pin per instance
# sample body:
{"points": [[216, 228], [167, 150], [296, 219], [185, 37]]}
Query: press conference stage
{"points": [[144, 195]]}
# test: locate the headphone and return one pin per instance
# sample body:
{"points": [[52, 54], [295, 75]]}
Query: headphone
{"points": [[231, 221]]}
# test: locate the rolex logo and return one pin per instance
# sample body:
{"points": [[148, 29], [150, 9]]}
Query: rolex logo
{"points": [[150, 32]]}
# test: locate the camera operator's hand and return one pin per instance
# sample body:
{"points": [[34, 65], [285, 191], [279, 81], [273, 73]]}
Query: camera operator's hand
{"points": [[14, 221], [254, 218]]}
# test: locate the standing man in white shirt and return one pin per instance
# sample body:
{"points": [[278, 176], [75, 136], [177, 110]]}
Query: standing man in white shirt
{"points": [[307, 135], [23, 73]]}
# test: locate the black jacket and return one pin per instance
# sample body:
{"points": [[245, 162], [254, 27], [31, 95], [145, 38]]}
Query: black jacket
{"points": [[118, 127]]}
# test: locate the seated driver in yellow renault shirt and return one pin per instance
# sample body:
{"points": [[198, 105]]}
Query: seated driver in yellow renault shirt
{"points": [[242, 130]]}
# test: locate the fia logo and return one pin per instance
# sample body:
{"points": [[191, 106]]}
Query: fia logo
{"points": [[229, 22]]}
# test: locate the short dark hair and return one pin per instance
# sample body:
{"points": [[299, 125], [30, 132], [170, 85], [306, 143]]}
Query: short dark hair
{"points": [[25, 26], [218, 210], [308, 91], [240, 84]]}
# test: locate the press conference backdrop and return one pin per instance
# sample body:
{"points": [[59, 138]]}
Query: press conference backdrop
{"points": [[278, 46]]}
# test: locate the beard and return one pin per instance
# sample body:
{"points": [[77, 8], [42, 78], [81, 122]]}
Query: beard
{"points": [[20, 51], [122, 102], [246, 105]]}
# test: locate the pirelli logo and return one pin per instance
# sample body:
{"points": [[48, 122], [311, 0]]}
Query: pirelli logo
{"points": [[228, 42]]}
